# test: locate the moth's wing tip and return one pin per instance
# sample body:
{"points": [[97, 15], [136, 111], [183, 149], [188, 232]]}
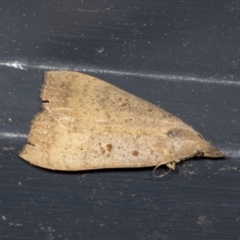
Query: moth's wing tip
{"points": [[30, 154], [27, 152]]}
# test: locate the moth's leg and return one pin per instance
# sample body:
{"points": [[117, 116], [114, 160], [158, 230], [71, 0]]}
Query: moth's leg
{"points": [[171, 165]]}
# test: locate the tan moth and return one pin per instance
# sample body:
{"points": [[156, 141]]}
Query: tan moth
{"points": [[87, 123]]}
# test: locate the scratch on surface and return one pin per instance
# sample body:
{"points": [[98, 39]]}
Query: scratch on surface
{"points": [[204, 221], [14, 64], [7, 148], [23, 65], [49, 231], [12, 135], [188, 173], [229, 168], [16, 224]]}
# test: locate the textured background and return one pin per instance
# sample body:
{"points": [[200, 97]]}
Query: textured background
{"points": [[181, 55]]}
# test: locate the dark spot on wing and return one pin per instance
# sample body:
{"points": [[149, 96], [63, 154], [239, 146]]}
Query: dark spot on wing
{"points": [[109, 147], [172, 133], [102, 150], [135, 153], [199, 153]]}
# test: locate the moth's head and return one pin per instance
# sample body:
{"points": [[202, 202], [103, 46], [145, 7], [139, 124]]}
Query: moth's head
{"points": [[189, 143], [184, 143], [206, 149], [212, 152]]}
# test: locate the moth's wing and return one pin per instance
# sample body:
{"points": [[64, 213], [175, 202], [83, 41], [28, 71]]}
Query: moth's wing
{"points": [[87, 123]]}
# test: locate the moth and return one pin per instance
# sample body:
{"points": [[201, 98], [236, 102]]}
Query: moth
{"points": [[86, 123]]}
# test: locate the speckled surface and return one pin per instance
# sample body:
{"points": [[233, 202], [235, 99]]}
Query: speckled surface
{"points": [[180, 55]]}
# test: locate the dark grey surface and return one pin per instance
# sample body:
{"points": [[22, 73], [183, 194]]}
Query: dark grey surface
{"points": [[181, 55]]}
